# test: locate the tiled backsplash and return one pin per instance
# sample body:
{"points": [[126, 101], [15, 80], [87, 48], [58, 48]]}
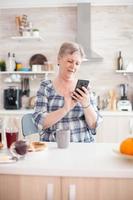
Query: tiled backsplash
{"points": [[112, 30]]}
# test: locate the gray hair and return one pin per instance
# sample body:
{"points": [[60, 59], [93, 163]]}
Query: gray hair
{"points": [[70, 48]]}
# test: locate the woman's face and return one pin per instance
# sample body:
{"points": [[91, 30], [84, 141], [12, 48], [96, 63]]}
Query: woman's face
{"points": [[69, 64]]}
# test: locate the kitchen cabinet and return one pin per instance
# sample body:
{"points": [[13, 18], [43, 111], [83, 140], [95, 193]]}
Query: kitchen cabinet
{"points": [[77, 188], [96, 189], [98, 175], [29, 188], [115, 127], [63, 188]]}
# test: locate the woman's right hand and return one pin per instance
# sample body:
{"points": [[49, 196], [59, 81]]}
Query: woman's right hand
{"points": [[69, 103]]}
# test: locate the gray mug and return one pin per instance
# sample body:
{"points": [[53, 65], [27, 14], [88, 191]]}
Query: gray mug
{"points": [[62, 138]]}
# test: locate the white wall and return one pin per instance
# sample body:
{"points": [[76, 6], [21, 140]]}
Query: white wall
{"points": [[40, 3], [112, 30]]}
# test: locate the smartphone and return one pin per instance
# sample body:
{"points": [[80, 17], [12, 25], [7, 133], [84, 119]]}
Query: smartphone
{"points": [[81, 83]]}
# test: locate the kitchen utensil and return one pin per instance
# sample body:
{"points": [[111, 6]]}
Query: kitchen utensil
{"points": [[124, 104], [63, 138], [123, 91], [32, 102], [112, 100], [37, 59], [12, 98], [25, 86], [36, 68]]}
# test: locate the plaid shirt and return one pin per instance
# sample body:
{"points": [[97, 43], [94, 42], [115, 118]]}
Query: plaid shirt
{"points": [[48, 101]]}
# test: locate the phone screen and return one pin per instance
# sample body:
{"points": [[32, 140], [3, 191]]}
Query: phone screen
{"points": [[81, 83]]}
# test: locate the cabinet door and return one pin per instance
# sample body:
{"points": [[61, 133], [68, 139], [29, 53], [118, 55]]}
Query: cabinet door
{"points": [[29, 188], [77, 189], [125, 127], [114, 128], [96, 188]]}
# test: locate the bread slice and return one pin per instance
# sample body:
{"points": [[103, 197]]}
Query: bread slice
{"points": [[1, 145], [37, 146]]}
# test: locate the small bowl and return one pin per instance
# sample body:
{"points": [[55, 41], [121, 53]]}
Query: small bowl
{"points": [[24, 69], [19, 149]]}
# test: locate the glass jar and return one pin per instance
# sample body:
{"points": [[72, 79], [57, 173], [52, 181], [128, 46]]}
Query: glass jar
{"points": [[1, 129], [11, 136], [11, 131]]}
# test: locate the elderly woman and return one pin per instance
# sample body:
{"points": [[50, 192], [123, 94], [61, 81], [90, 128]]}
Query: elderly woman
{"points": [[58, 106]]}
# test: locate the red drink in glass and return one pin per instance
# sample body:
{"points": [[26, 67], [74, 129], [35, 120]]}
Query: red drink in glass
{"points": [[11, 137], [0, 137]]}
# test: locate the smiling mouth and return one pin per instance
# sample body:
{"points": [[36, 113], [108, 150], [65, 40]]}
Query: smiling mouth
{"points": [[72, 70]]}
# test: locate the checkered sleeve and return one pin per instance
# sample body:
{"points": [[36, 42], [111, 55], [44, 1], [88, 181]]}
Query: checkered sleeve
{"points": [[41, 106], [99, 116]]}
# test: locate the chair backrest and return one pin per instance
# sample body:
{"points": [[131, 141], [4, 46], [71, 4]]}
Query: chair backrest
{"points": [[28, 126]]}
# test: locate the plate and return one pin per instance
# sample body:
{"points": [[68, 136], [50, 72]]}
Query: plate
{"points": [[37, 59], [117, 152], [5, 159], [1, 145]]}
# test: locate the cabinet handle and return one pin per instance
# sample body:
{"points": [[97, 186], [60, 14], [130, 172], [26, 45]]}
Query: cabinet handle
{"points": [[131, 126], [72, 192], [50, 191]]}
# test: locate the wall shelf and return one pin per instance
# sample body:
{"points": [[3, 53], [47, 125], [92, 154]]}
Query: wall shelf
{"points": [[22, 38], [124, 72], [30, 73], [26, 73]]}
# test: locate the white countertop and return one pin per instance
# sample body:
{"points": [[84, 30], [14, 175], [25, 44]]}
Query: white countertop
{"points": [[15, 112], [116, 113], [103, 113], [79, 160]]}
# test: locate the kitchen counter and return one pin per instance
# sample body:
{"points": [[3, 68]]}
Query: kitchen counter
{"points": [[79, 160], [103, 112], [15, 112], [116, 113]]}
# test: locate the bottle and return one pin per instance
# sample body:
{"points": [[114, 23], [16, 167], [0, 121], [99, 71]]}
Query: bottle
{"points": [[11, 63], [11, 131], [1, 130], [120, 62], [8, 62]]}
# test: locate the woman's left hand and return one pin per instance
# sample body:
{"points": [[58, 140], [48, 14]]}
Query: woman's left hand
{"points": [[82, 96]]}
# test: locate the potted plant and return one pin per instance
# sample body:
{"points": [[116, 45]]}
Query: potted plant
{"points": [[35, 32]]}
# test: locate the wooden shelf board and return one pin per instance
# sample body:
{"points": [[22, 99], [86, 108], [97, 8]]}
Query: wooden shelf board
{"points": [[25, 72]]}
